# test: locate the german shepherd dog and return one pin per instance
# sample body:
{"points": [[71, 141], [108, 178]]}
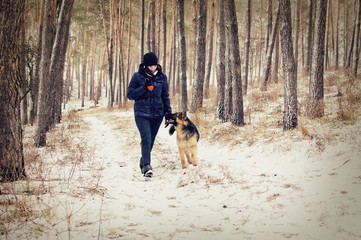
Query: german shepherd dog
{"points": [[187, 137]]}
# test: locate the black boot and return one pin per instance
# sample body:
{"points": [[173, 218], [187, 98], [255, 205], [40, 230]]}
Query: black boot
{"points": [[147, 171]]}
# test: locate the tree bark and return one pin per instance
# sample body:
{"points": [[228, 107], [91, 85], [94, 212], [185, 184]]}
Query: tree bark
{"points": [[164, 14], [58, 58], [11, 145], [297, 32], [45, 85], [23, 76], [232, 41], [248, 45], [34, 85], [309, 37], [151, 27], [210, 52], [316, 105], [289, 67], [142, 32], [276, 58], [269, 25], [182, 56], [200, 55], [221, 46], [357, 39], [269, 53], [337, 33]]}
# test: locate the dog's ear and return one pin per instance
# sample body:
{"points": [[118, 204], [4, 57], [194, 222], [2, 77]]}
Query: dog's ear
{"points": [[184, 115], [171, 130]]}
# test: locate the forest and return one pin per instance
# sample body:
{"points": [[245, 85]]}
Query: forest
{"points": [[261, 79]]}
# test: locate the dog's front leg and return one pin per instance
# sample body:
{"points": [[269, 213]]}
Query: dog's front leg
{"points": [[182, 157], [194, 155]]}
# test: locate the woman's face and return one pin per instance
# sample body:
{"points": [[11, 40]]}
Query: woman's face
{"points": [[152, 68]]}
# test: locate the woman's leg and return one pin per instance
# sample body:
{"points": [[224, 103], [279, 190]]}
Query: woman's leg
{"points": [[144, 128], [154, 127]]}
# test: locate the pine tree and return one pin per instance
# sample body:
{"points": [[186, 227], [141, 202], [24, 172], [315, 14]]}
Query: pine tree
{"points": [[11, 146]]}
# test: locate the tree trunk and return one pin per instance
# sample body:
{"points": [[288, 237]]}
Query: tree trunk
{"points": [[260, 50], [337, 37], [228, 74], [58, 58], [345, 32], [297, 32], [232, 41], [129, 40], [289, 67], [182, 56], [174, 47], [151, 27], [11, 145], [23, 76], [34, 85], [210, 53], [269, 53], [221, 38], [200, 51], [309, 37], [110, 54], [277, 54], [142, 32], [248, 45], [83, 81], [357, 39], [164, 14], [269, 25], [316, 105], [44, 107]]}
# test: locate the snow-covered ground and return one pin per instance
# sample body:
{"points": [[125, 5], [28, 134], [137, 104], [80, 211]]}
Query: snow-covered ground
{"points": [[252, 182], [281, 189]]}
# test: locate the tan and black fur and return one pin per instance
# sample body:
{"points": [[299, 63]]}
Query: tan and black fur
{"points": [[187, 137]]}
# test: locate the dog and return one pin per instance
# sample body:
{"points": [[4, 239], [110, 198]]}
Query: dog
{"points": [[187, 137]]}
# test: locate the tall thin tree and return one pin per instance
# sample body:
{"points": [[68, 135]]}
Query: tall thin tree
{"points": [[210, 50], [289, 67], [11, 145], [182, 56], [164, 53], [297, 32], [248, 45], [44, 106], [200, 55], [232, 41], [142, 31], [269, 52], [316, 91], [58, 58], [221, 62], [357, 39], [309, 36]]}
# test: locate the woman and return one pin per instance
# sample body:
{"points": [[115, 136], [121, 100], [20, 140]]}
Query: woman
{"points": [[149, 89]]}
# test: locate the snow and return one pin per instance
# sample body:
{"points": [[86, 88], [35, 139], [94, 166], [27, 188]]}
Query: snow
{"points": [[86, 184]]}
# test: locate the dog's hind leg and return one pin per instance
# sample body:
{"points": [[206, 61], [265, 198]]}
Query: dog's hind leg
{"points": [[182, 157]]}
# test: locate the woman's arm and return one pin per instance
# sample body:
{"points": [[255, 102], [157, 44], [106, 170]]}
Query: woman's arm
{"points": [[135, 89]]}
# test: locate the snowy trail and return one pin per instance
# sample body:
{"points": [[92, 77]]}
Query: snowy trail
{"points": [[249, 193]]}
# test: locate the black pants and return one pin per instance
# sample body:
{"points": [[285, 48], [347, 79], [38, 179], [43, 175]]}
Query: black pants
{"points": [[148, 129]]}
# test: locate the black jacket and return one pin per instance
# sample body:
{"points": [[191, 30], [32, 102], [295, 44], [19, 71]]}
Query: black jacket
{"points": [[149, 104]]}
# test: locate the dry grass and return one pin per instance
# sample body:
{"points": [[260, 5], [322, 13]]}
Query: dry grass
{"points": [[35, 204], [263, 114]]}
